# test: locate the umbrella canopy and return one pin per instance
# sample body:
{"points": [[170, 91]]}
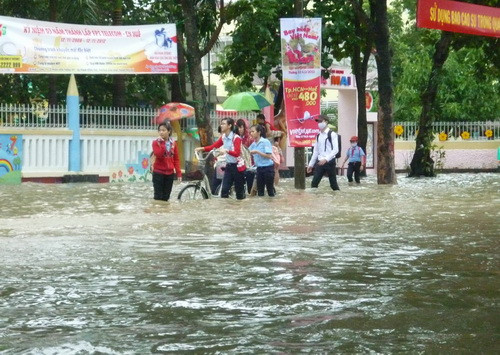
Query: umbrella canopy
{"points": [[174, 111], [246, 101]]}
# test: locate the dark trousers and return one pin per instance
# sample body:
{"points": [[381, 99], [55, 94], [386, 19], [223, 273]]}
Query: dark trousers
{"points": [[319, 171], [232, 175], [353, 168], [265, 178], [249, 177], [162, 185]]}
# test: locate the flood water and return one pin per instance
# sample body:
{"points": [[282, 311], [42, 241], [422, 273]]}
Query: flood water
{"points": [[102, 268]]}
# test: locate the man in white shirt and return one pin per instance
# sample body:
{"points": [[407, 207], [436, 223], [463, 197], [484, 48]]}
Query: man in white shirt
{"points": [[323, 158]]}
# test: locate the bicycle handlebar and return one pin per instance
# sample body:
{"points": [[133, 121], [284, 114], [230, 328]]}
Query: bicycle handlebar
{"points": [[199, 154]]}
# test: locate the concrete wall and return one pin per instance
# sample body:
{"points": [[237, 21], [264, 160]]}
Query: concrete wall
{"points": [[458, 155], [45, 152]]}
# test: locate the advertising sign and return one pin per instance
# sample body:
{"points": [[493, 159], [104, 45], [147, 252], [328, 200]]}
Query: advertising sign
{"points": [[301, 62], [38, 47], [460, 17], [340, 78]]}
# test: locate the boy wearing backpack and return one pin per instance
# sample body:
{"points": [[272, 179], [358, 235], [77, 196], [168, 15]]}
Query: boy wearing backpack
{"points": [[325, 150], [357, 160]]}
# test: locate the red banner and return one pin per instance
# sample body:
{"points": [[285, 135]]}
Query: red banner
{"points": [[302, 107], [301, 63], [454, 16]]}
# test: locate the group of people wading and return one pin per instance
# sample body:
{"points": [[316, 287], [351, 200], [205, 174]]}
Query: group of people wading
{"points": [[236, 141]]}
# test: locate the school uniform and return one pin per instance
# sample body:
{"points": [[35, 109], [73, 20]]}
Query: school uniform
{"points": [[354, 154], [324, 149], [265, 167], [232, 143], [166, 163]]}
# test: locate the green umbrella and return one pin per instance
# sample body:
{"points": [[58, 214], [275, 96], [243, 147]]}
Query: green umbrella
{"points": [[246, 101]]}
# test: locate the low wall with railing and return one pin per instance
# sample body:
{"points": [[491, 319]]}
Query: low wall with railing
{"points": [[117, 141], [96, 117], [45, 153]]}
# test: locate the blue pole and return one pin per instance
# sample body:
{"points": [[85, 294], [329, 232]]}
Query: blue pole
{"points": [[73, 108]]}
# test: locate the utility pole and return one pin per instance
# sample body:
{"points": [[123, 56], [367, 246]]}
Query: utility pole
{"points": [[299, 154]]}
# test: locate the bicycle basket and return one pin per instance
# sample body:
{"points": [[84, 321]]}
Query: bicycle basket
{"points": [[194, 175]]}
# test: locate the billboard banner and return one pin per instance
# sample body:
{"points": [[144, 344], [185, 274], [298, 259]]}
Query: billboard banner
{"points": [[38, 47], [454, 16], [301, 63]]}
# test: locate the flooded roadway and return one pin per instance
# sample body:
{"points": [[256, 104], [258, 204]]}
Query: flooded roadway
{"points": [[102, 268]]}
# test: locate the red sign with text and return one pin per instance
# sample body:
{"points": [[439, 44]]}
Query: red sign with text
{"points": [[454, 16], [302, 107], [301, 63]]}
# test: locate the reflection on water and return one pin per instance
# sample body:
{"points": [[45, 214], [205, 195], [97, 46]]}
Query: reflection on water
{"points": [[103, 268]]}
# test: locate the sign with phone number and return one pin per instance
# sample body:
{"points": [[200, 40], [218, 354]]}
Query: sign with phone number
{"points": [[11, 61]]}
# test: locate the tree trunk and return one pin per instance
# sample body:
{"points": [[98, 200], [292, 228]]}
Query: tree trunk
{"points": [[422, 163], [386, 173], [53, 77], [360, 68], [193, 57], [178, 81], [178, 89], [119, 85], [279, 99]]}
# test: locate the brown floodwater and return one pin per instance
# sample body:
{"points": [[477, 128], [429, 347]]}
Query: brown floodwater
{"points": [[102, 268]]}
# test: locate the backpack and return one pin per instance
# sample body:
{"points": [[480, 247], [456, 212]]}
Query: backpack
{"points": [[275, 156], [329, 139], [245, 155]]}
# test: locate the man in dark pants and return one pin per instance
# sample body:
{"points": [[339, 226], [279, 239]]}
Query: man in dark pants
{"points": [[323, 158]]}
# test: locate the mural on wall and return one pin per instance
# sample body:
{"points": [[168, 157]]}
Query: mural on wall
{"points": [[136, 172], [11, 151], [370, 146]]}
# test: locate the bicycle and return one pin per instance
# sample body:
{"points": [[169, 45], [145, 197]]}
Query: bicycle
{"points": [[200, 189]]}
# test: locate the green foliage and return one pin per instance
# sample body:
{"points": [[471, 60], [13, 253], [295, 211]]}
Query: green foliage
{"points": [[333, 114], [235, 85], [95, 89], [338, 37], [469, 89], [256, 45], [439, 156]]}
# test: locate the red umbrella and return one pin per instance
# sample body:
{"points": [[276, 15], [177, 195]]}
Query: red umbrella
{"points": [[174, 111]]}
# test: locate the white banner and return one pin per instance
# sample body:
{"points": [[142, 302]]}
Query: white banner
{"points": [[38, 47]]}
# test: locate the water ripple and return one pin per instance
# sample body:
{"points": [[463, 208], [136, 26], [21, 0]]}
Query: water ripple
{"points": [[104, 269]]}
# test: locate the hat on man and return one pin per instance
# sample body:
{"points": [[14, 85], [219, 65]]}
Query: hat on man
{"points": [[353, 139], [322, 118]]}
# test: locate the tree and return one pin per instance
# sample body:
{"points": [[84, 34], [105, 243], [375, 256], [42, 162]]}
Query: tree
{"points": [[386, 173], [422, 163], [82, 10], [200, 28], [348, 33], [119, 80], [469, 74], [258, 25], [375, 29]]}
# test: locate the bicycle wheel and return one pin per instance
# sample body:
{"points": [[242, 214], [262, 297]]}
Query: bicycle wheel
{"points": [[192, 192]]}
